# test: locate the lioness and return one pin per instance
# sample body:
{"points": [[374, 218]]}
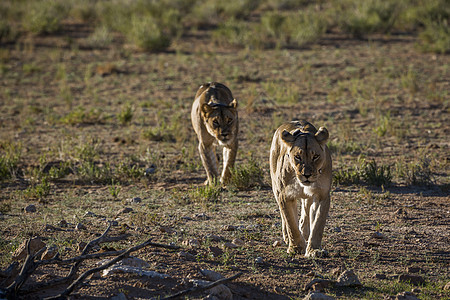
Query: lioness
{"points": [[215, 120], [300, 168]]}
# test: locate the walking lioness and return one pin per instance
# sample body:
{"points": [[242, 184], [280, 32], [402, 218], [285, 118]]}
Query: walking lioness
{"points": [[300, 168], [215, 120]]}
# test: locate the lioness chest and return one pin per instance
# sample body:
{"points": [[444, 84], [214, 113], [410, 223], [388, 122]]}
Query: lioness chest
{"points": [[294, 190]]}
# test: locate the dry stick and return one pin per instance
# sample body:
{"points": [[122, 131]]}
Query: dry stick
{"points": [[81, 258], [203, 288], [100, 255], [91, 271], [27, 269], [73, 269]]}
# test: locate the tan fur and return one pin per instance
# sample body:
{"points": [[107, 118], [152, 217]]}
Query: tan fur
{"points": [[300, 168], [215, 120]]}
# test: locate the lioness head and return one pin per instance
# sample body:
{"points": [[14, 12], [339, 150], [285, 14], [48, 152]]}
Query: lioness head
{"points": [[306, 153], [220, 120]]}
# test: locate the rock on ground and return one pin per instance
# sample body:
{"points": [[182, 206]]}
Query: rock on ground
{"points": [[403, 296], [413, 279], [220, 291], [348, 278], [318, 296]]}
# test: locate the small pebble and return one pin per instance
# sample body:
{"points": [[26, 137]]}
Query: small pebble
{"points": [[191, 243], [380, 276], [230, 245], [214, 238], [149, 171], [135, 200], [125, 210], [201, 216], [228, 228], [80, 226], [259, 260], [238, 242], [186, 255], [216, 251], [30, 208], [378, 235]]}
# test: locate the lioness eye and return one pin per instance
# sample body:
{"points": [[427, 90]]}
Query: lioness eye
{"points": [[315, 157], [216, 123], [298, 157], [229, 121]]}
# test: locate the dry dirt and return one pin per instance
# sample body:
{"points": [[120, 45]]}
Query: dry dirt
{"points": [[380, 233]]}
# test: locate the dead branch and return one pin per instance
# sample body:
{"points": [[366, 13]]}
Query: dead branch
{"points": [[73, 269], [9, 274], [29, 266], [104, 266], [203, 288], [100, 255]]}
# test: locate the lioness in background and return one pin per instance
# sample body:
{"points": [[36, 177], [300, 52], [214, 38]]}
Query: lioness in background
{"points": [[300, 168], [215, 120]]}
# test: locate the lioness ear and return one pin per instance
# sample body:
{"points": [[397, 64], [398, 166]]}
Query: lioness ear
{"points": [[287, 137], [206, 109], [322, 135], [233, 104]]}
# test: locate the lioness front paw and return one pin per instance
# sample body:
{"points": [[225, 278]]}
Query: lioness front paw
{"points": [[316, 253], [294, 250]]}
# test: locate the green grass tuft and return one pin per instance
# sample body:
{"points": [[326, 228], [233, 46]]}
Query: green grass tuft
{"points": [[44, 16], [206, 194], [9, 159], [247, 176], [146, 34], [376, 175], [435, 37], [126, 114]]}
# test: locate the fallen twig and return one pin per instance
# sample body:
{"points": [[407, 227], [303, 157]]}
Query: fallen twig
{"points": [[203, 288], [29, 266], [102, 267]]}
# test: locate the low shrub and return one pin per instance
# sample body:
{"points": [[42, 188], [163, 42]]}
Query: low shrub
{"points": [[9, 159], [360, 18], [44, 16], [145, 33], [206, 194], [416, 173], [435, 37], [346, 177], [100, 38], [376, 175], [126, 114], [364, 172], [246, 176]]}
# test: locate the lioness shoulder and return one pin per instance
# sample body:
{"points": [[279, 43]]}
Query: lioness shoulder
{"points": [[215, 120], [300, 169]]}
